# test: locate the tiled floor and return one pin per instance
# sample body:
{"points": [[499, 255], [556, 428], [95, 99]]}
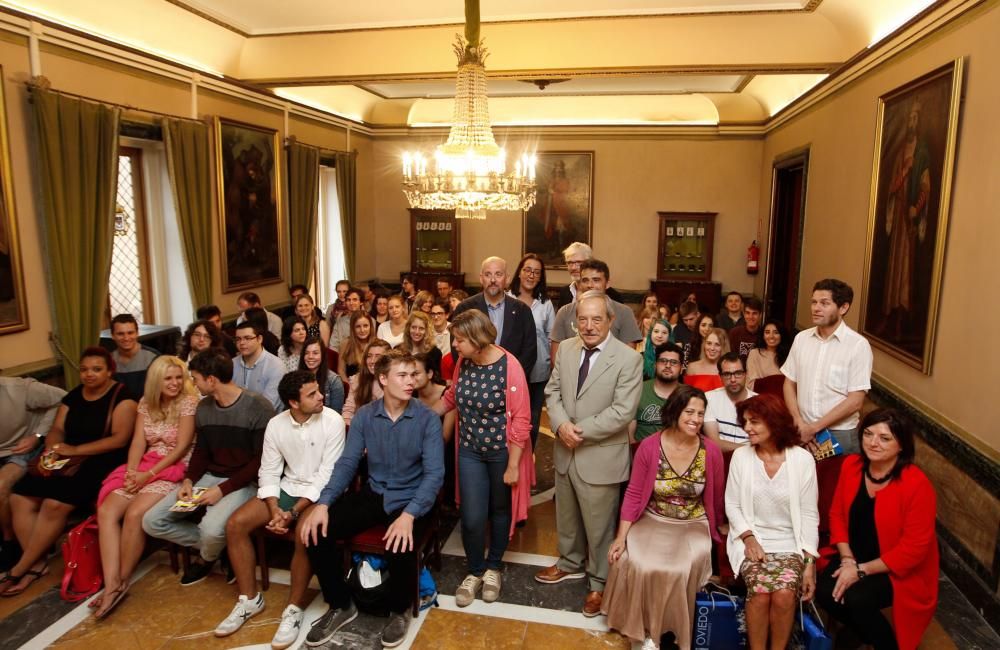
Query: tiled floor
{"points": [[160, 615]]}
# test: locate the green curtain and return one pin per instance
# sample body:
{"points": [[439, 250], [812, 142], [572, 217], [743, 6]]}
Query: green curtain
{"points": [[303, 209], [189, 164], [78, 165], [347, 192]]}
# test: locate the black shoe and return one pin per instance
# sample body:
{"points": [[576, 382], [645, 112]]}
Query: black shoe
{"points": [[395, 630], [196, 573], [328, 624], [10, 554]]}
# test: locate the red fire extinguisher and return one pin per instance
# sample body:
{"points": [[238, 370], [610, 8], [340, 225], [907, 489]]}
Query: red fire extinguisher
{"points": [[753, 258]]}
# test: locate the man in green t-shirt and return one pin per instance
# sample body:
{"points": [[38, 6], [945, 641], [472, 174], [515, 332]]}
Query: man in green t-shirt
{"points": [[656, 391]]}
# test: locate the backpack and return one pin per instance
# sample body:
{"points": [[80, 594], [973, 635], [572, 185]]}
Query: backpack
{"points": [[82, 575]]}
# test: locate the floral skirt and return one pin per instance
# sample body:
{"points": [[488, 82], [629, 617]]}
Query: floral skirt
{"points": [[777, 571]]}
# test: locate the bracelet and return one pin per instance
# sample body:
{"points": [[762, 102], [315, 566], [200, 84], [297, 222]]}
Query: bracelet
{"points": [[745, 536]]}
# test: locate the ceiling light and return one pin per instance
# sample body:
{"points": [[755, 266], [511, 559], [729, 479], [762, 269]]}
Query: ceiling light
{"points": [[468, 173]]}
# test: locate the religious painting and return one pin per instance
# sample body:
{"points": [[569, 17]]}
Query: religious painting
{"points": [[13, 302], [564, 208], [915, 138], [249, 191]]}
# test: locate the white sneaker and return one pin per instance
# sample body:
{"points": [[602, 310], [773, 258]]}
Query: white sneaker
{"points": [[466, 592], [288, 631], [491, 586], [649, 644], [244, 610]]}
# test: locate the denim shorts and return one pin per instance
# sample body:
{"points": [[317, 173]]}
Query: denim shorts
{"points": [[22, 460]]}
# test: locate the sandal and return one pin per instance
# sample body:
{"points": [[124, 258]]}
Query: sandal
{"points": [[34, 575], [119, 595]]}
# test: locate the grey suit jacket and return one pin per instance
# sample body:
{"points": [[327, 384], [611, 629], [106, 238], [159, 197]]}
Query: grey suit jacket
{"points": [[605, 406]]}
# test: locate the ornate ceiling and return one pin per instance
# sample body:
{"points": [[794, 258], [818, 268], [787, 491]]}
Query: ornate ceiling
{"points": [[390, 63]]}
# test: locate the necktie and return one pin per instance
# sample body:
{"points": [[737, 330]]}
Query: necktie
{"points": [[584, 368]]}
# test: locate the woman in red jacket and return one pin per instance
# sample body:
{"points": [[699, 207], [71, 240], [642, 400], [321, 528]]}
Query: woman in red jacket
{"points": [[882, 524]]}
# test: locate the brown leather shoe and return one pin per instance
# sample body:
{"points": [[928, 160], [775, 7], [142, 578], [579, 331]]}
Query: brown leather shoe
{"points": [[592, 605], [553, 574]]}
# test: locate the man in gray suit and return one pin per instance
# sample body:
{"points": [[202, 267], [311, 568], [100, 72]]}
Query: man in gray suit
{"points": [[591, 396]]}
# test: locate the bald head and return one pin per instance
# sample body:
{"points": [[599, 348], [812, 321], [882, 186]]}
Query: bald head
{"points": [[493, 277]]}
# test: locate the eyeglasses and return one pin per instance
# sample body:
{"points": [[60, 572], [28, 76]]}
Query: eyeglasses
{"points": [[200, 335], [734, 374], [669, 362], [531, 272]]}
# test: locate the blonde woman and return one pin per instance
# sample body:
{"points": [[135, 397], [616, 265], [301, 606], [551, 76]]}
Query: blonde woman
{"points": [[157, 459], [352, 351], [423, 301], [703, 373], [393, 329], [419, 338]]}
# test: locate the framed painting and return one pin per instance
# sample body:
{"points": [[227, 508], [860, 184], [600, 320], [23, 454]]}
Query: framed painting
{"points": [[250, 228], [13, 302], [564, 207], [915, 136]]}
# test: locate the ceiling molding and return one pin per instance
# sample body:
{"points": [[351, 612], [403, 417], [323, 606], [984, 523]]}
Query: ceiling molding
{"points": [[744, 69], [810, 7]]}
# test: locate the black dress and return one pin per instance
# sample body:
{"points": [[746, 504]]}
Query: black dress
{"points": [[85, 422]]}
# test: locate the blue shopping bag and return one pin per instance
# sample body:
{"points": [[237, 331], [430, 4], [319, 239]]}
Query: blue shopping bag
{"points": [[719, 622], [808, 633]]}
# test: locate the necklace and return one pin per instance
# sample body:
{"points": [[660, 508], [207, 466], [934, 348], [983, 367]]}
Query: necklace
{"points": [[877, 481]]}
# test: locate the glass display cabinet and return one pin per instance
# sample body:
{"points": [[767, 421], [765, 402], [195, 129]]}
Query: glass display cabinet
{"points": [[685, 246]]}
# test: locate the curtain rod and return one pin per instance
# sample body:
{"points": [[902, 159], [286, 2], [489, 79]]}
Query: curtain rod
{"points": [[34, 85], [290, 139]]}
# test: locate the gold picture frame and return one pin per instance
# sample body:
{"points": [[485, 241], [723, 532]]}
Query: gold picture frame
{"points": [[13, 299], [915, 138], [251, 223], [564, 208]]}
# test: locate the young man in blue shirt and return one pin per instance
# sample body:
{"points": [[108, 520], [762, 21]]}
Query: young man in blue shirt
{"points": [[405, 453]]}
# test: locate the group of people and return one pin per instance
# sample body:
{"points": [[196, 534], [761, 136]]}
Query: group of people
{"points": [[444, 394]]}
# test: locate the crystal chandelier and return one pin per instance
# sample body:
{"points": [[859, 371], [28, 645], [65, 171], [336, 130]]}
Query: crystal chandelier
{"points": [[468, 173]]}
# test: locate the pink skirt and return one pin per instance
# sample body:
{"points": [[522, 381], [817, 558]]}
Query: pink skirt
{"points": [[651, 588], [162, 483]]}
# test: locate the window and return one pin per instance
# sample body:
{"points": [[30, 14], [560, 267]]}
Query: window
{"points": [[330, 264], [128, 284]]}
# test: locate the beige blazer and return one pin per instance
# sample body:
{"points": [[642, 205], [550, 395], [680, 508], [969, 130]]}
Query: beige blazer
{"points": [[605, 406]]}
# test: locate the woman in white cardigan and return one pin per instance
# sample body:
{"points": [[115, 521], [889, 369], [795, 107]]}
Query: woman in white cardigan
{"points": [[771, 498]]}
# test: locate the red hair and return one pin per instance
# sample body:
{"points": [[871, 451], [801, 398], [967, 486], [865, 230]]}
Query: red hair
{"points": [[771, 410]]}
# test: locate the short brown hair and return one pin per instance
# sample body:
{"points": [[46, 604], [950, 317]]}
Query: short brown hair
{"points": [[390, 359], [476, 327]]}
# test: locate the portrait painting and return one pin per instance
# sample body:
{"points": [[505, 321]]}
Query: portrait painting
{"points": [[916, 134], [564, 205], [249, 204], [13, 303]]}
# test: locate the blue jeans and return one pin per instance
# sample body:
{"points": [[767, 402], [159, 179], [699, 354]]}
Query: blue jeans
{"points": [[485, 497], [536, 393]]}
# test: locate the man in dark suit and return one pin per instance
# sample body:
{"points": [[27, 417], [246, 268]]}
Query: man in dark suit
{"points": [[512, 318], [576, 254]]}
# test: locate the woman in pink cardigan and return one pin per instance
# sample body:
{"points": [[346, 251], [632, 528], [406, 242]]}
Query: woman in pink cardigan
{"points": [[673, 509], [495, 468]]}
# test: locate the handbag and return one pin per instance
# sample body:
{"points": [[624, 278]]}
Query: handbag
{"points": [[719, 621], [82, 575], [808, 633], [39, 465]]}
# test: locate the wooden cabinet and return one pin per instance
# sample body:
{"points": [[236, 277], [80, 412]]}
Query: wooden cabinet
{"points": [[434, 241], [685, 247]]}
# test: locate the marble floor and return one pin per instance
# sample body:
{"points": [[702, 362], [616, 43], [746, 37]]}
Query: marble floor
{"points": [[158, 614]]}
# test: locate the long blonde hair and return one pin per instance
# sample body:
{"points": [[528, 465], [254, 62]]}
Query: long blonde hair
{"points": [[155, 375], [425, 346]]}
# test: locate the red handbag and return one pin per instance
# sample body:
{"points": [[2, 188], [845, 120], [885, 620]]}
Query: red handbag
{"points": [[82, 575]]}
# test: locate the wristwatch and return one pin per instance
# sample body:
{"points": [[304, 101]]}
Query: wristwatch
{"points": [[295, 514], [861, 572]]}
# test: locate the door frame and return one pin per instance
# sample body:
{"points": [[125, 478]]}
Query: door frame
{"points": [[782, 162]]}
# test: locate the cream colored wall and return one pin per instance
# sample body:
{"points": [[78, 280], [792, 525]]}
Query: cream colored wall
{"points": [[841, 137], [633, 179], [104, 81]]}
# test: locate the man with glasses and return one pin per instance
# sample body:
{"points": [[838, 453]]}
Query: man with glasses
{"points": [[576, 254], [254, 368], [655, 392], [439, 318], [721, 423], [512, 318]]}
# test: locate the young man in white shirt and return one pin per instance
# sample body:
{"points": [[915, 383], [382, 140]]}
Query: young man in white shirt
{"points": [[301, 446], [721, 423], [828, 370]]}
